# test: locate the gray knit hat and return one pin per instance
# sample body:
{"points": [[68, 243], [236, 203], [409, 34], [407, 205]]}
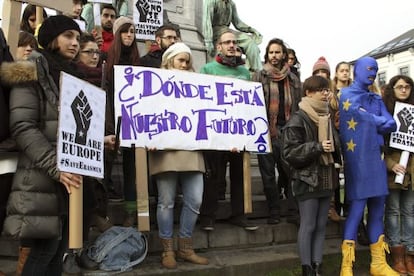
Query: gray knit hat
{"points": [[121, 21]]}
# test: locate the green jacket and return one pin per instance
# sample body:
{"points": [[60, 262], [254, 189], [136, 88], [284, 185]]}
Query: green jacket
{"points": [[215, 68]]}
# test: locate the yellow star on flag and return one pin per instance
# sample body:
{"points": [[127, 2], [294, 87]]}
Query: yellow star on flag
{"points": [[351, 146], [346, 105], [352, 124]]}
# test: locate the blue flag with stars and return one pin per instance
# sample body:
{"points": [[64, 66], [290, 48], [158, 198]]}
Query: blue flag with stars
{"points": [[363, 120]]}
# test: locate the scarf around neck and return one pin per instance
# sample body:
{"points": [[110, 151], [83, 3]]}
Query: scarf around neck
{"points": [[229, 61], [275, 76], [318, 112]]}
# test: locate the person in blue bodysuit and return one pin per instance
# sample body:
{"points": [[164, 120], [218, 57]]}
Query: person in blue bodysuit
{"points": [[363, 121]]}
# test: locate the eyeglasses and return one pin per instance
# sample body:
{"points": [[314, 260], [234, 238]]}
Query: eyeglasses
{"points": [[170, 37], [228, 42], [91, 52], [402, 87]]}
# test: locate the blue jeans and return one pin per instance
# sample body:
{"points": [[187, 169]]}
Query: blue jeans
{"points": [[192, 189], [399, 218]]}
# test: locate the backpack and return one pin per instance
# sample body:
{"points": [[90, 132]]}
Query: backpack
{"points": [[119, 248]]}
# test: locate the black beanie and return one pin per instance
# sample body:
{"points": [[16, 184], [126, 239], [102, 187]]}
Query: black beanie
{"points": [[53, 26]]}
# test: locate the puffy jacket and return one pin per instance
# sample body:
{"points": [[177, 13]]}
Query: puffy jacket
{"points": [[302, 151], [37, 198]]}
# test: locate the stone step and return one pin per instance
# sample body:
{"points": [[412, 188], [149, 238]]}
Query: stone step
{"points": [[225, 235], [262, 260]]}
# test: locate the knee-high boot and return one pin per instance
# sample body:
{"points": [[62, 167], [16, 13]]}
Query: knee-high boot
{"points": [[168, 255], [348, 257], [379, 266], [186, 252], [409, 262], [398, 259]]}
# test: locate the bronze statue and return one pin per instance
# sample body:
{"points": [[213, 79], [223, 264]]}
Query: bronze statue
{"points": [[218, 14]]}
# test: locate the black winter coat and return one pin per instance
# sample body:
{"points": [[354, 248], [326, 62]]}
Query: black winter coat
{"points": [[302, 151], [37, 199]]}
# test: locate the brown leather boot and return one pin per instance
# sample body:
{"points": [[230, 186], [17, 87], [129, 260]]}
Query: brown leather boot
{"points": [[409, 263], [23, 254], [398, 259], [332, 214], [186, 252], [168, 255]]}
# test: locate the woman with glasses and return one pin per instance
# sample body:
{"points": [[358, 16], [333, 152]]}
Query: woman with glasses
{"points": [[399, 205], [311, 147], [88, 59]]}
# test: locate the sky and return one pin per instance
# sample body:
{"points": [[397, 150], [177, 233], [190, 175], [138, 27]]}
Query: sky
{"points": [[337, 30]]}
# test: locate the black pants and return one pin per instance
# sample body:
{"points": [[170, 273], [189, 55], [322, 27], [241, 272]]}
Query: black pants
{"points": [[5, 188], [271, 187], [216, 163]]}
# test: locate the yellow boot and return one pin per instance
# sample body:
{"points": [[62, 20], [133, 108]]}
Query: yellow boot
{"points": [[186, 252], [348, 257], [379, 266], [168, 255]]}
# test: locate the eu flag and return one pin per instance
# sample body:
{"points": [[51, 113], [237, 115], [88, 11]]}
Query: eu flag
{"points": [[363, 120]]}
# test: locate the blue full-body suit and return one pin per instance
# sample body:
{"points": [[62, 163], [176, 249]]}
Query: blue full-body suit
{"points": [[364, 120]]}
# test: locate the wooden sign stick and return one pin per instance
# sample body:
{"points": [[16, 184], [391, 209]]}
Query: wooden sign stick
{"points": [[247, 183]]}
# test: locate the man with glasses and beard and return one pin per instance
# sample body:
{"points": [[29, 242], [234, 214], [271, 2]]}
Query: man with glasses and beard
{"points": [[226, 64], [217, 17], [165, 36]]}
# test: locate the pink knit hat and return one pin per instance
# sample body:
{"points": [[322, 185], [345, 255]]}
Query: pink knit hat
{"points": [[121, 21], [321, 63]]}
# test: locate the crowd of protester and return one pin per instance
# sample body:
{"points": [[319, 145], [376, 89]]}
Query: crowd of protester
{"points": [[319, 130]]}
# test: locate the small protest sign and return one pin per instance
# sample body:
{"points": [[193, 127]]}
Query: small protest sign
{"points": [[403, 138], [81, 127], [148, 17]]}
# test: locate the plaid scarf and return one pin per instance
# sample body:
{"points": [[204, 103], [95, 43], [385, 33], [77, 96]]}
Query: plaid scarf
{"points": [[275, 75]]}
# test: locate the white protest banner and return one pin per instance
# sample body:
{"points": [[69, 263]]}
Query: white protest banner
{"points": [[148, 17], [173, 109], [81, 127], [403, 138]]}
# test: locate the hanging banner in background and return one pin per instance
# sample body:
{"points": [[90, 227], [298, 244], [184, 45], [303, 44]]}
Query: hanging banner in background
{"points": [[403, 138], [148, 17], [173, 109], [81, 127]]}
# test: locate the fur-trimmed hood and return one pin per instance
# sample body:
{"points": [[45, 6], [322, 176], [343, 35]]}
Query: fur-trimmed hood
{"points": [[12, 73]]}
